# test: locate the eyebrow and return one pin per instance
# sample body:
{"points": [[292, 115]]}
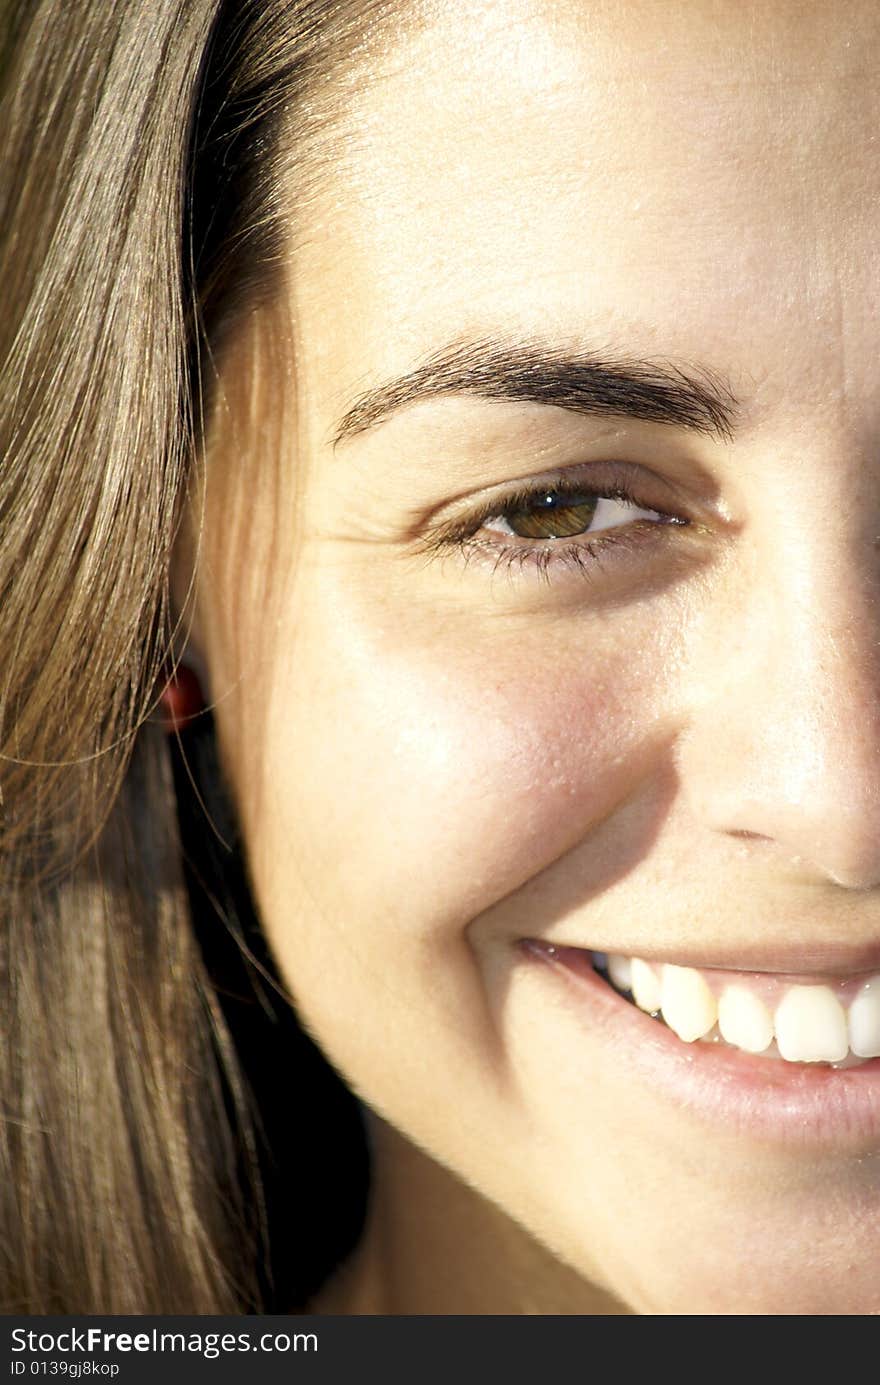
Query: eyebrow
{"points": [[689, 396]]}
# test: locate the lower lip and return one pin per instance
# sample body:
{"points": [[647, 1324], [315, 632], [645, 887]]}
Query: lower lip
{"points": [[768, 1099]]}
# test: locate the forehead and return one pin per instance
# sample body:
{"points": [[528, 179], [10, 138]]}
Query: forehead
{"points": [[699, 179]]}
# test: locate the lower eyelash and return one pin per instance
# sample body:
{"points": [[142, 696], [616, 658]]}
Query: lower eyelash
{"points": [[546, 557], [584, 557]]}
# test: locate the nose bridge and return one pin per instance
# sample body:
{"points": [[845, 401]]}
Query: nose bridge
{"points": [[823, 651], [786, 744]]}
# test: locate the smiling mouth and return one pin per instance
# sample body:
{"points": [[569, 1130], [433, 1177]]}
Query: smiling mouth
{"points": [[836, 1022]]}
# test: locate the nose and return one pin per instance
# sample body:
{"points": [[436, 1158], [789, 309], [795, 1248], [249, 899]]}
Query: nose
{"points": [[785, 743]]}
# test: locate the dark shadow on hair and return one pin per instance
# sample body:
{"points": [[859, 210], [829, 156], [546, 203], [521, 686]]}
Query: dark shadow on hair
{"points": [[311, 1139]]}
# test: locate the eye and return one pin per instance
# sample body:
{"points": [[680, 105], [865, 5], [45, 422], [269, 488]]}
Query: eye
{"points": [[560, 514], [559, 524]]}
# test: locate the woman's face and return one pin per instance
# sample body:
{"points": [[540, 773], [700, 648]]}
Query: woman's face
{"points": [[451, 727]]}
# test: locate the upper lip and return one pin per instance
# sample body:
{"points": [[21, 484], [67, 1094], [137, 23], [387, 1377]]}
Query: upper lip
{"points": [[812, 957]]}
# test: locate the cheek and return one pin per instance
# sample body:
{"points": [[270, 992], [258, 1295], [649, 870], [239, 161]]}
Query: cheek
{"points": [[418, 771]]}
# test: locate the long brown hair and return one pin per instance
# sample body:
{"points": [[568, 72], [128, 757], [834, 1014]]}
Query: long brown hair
{"points": [[140, 148]]}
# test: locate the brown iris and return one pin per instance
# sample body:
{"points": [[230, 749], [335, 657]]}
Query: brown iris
{"points": [[553, 516]]}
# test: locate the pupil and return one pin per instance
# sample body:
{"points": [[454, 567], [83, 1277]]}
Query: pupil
{"points": [[552, 516]]}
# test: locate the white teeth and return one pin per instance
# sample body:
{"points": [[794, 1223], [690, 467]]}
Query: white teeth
{"points": [[687, 1004], [744, 1020], [864, 1020], [645, 986], [810, 1025], [620, 971]]}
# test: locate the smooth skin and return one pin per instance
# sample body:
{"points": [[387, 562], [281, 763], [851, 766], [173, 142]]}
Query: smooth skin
{"points": [[433, 757]]}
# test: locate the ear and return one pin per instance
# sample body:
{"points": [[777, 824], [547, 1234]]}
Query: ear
{"points": [[187, 642]]}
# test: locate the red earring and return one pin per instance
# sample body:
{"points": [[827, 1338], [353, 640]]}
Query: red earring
{"points": [[181, 699]]}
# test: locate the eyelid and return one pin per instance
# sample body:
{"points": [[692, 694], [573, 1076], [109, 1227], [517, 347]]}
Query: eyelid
{"points": [[599, 476]]}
